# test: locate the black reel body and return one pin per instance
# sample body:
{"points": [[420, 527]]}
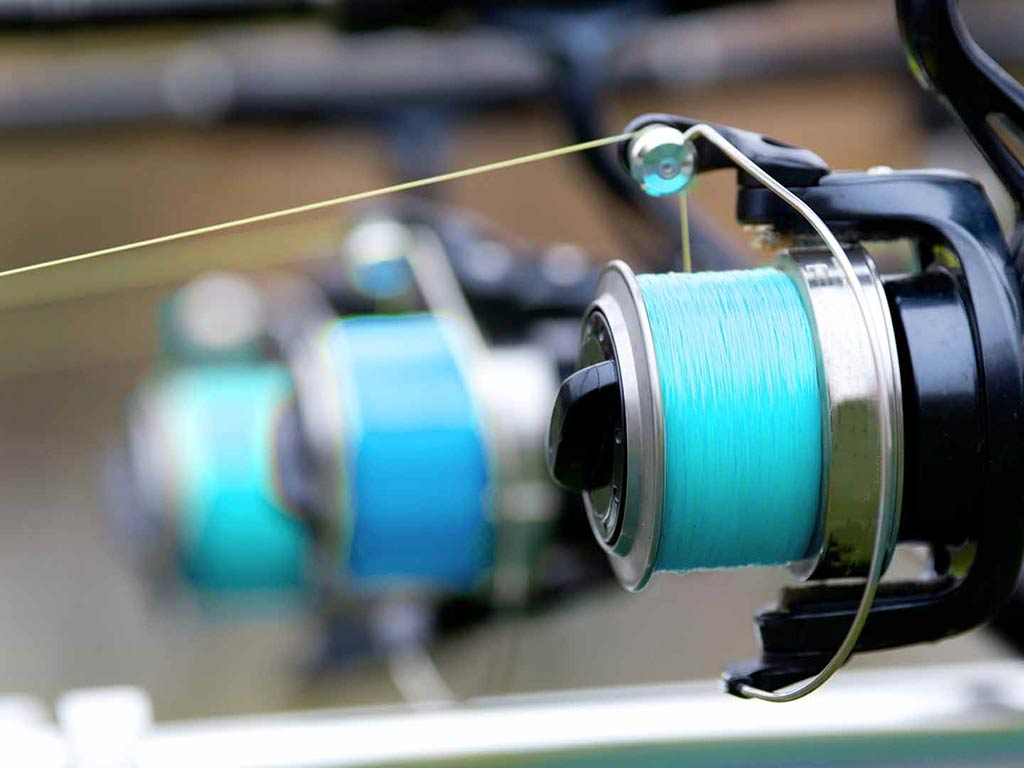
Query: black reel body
{"points": [[958, 336]]}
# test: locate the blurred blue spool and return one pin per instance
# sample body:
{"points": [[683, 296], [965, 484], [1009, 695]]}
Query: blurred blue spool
{"points": [[742, 417], [234, 533], [417, 501]]}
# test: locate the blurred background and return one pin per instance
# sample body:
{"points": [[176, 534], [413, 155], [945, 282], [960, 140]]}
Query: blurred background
{"points": [[112, 133]]}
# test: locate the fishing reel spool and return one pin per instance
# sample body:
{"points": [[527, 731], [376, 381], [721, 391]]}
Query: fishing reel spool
{"points": [[199, 495], [918, 380], [421, 469]]}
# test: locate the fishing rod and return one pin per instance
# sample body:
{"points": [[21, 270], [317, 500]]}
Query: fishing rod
{"points": [[53, 15]]}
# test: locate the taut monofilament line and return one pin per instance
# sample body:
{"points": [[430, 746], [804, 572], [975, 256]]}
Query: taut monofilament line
{"points": [[319, 205]]}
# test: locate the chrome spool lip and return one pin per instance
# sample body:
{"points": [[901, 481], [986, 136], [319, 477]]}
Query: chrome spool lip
{"points": [[851, 449], [634, 551]]}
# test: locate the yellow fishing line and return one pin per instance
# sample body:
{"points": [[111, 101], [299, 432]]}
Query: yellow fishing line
{"points": [[320, 205], [256, 248], [684, 232]]}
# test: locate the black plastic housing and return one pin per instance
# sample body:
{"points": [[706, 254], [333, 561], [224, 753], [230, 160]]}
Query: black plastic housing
{"points": [[942, 405]]}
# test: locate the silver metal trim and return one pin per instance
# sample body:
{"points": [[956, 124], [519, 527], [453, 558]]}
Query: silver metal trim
{"points": [[155, 471], [634, 552], [516, 385], [851, 450], [439, 285]]}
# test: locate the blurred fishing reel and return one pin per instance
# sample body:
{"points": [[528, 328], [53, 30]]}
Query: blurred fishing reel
{"points": [[413, 442], [813, 412], [389, 464]]}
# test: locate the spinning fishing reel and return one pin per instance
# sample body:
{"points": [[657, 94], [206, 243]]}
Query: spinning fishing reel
{"points": [[814, 412]]}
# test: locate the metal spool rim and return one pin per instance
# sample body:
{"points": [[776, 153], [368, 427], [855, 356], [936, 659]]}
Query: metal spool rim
{"points": [[634, 552]]}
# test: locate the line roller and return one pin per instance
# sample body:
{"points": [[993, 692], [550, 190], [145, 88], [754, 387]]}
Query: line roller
{"points": [[203, 447]]}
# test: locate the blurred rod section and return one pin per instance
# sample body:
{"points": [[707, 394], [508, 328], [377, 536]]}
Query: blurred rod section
{"points": [[49, 14], [310, 72], [352, 14], [306, 73]]}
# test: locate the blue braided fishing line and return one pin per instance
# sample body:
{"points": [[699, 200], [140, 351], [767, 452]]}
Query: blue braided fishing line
{"points": [[742, 416], [417, 463]]}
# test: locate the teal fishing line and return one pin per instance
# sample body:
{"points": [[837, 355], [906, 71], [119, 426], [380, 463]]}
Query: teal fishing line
{"points": [[742, 415], [416, 460], [235, 532]]}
